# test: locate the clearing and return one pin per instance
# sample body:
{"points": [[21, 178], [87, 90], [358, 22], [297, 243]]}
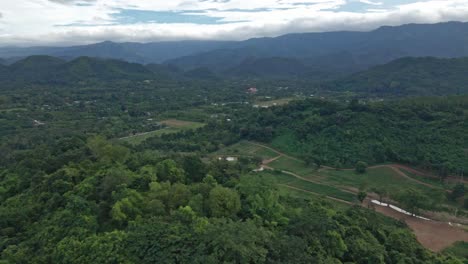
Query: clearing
{"points": [[271, 103], [172, 126]]}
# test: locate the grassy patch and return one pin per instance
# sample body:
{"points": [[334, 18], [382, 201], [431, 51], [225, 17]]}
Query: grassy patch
{"points": [[316, 188], [173, 126], [377, 178], [245, 148], [431, 181], [297, 166], [12, 110]]}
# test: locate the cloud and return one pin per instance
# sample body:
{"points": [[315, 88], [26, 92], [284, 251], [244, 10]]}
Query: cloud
{"points": [[66, 22], [370, 2], [71, 1]]}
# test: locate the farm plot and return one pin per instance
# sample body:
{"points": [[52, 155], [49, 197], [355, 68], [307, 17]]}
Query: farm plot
{"points": [[287, 180], [172, 126], [245, 148]]}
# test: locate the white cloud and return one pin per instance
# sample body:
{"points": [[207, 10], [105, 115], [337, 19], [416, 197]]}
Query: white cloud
{"points": [[38, 22], [370, 2]]}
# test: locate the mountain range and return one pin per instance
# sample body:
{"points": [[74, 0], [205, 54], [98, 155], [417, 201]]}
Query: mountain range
{"points": [[144, 53], [401, 77], [336, 52]]}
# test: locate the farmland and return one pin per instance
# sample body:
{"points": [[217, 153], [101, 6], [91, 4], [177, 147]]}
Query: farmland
{"points": [[171, 126], [295, 176]]}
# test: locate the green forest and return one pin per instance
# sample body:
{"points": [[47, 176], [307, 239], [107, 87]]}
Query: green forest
{"points": [[75, 189]]}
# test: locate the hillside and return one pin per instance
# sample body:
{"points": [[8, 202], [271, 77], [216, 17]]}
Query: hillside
{"points": [[85, 67], [51, 70], [410, 76], [422, 132], [362, 49]]}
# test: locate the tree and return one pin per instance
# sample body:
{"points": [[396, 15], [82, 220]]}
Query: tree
{"points": [[382, 192], [227, 241], [167, 170], [107, 152], [458, 192], [361, 196], [361, 167], [103, 248], [444, 170], [224, 202], [413, 200], [194, 168]]}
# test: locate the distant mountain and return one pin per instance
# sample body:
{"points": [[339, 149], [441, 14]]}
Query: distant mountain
{"points": [[410, 76], [144, 53], [343, 51], [4, 72]]}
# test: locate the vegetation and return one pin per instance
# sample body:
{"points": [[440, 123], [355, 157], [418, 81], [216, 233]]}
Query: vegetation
{"points": [[460, 249], [72, 191], [361, 167], [410, 76], [116, 205], [424, 132]]}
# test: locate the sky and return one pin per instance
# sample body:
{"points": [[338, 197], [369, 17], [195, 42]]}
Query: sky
{"points": [[73, 22]]}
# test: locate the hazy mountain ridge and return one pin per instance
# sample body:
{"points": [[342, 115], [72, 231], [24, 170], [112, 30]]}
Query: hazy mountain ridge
{"points": [[133, 52], [364, 48], [361, 49]]}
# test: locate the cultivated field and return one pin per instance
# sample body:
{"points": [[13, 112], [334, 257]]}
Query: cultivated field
{"points": [[172, 126]]}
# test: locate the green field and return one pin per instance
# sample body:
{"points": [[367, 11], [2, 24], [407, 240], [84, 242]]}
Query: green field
{"points": [[294, 165], [172, 126], [431, 181], [245, 148], [319, 189], [375, 178]]}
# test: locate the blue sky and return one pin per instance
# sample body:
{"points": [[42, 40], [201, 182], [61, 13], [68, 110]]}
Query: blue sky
{"points": [[68, 22]]}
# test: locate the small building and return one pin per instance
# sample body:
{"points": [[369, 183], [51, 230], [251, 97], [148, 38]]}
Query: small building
{"points": [[252, 90], [230, 159]]}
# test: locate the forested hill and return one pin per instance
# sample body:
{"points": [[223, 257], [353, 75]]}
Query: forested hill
{"points": [[402, 77], [50, 70], [410, 76]]}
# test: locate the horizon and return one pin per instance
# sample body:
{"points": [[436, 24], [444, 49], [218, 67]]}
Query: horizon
{"points": [[218, 40], [79, 22]]}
